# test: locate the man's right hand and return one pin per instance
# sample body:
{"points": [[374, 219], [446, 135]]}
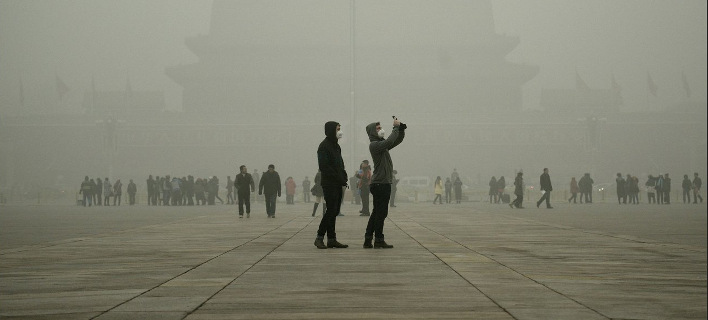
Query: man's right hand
{"points": [[396, 123]]}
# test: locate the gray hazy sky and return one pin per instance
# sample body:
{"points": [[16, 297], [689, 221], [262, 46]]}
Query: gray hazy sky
{"points": [[111, 39]]}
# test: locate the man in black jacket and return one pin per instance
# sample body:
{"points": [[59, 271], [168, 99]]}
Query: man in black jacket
{"points": [[270, 185], [546, 189], [244, 186], [331, 165]]}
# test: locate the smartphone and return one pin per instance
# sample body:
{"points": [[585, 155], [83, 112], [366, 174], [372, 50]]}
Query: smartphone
{"points": [[394, 117]]}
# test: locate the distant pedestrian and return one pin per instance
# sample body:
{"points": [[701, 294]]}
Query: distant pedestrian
{"points": [[364, 176], [354, 189], [229, 190], [107, 192], [290, 190], [651, 192], [270, 187], [697, 188], [621, 189], [448, 190], [199, 192], [458, 190], [546, 189], [686, 186], [659, 188], [117, 192], [493, 193], [518, 191], [394, 189], [150, 182], [87, 191], [573, 190], [667, 189], [501, 185], [306, 190], [585, 185], [244, 186], [317, 191], [132, 189], [97, 192], [438, 190]]}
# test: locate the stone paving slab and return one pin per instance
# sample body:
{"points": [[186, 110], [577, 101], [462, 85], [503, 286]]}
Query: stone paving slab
{"points": [[472, 260]]}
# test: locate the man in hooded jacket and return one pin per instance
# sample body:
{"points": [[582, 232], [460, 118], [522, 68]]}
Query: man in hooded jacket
{"points": [[334, 177], [382, 179]]}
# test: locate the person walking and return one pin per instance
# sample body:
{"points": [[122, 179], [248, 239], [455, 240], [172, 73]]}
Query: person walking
{"points": [[318, 193], [333, 178], [518, 191], [697, 188], [686, 186], [501, 185], [132, 190], [243, 182], [270, 186], [229, 190], [290, 190], [306, 190], [438, 189], [381, 181], [621, 189], [573, 190], [546, 189]]}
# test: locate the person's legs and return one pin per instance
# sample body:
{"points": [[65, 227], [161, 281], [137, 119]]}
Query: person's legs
{"points": [[374, 228], [241, 202], [332, 195]]}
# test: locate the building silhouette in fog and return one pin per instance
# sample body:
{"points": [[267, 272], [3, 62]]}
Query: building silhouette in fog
{"points": [[262, 59]]}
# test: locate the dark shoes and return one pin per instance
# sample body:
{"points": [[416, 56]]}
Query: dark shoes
{"points": [[333, 243], [367, 244], [382, 245], [319, 243]]}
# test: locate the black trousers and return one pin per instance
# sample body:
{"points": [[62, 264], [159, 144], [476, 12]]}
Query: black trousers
{"points": [[270, 199], [244, 198], [333, 199], [518, 200], [382, 194], [547, 197]]}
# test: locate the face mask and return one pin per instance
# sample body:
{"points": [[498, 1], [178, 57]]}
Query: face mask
{"points": [[340, 134], [381, 133]]}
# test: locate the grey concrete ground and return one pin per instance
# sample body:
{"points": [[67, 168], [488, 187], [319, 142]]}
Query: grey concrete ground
{"points": [[473, 260]]}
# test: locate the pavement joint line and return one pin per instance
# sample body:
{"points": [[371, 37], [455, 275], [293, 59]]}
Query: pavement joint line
{"points": [[254, 264], [89, 237], [446, 264], [496, 261], [615, 236], [205, 262]]}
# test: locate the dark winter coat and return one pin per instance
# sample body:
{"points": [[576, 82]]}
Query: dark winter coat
{"points": [[329, 158]]}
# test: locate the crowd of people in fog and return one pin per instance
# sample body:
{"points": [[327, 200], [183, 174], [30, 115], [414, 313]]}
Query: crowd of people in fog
{"points": [[188, 191]]}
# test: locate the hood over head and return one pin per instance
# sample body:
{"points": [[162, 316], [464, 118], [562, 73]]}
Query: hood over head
{"points": [[331, 130], [371, 131]]}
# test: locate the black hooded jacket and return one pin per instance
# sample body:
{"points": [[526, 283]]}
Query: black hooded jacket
{"points": [[329, 158]]}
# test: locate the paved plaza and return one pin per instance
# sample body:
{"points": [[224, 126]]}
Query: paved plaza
{"points": [[468, 261]]}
